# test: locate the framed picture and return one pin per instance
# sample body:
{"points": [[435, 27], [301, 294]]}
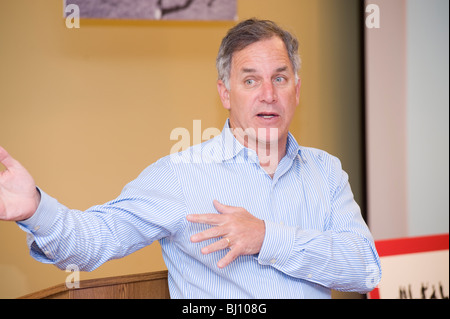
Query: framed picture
{"points": [[156, 9], [413, 268]]}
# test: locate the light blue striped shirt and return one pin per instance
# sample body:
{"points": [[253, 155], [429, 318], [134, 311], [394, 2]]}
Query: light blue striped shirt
{"points": [[315, 239]]}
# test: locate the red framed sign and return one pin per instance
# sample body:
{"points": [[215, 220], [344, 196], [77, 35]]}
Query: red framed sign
{"points": [[413, 268]]}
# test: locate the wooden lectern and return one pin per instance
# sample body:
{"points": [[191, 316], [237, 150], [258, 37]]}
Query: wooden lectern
{"points": [[140, 286]]}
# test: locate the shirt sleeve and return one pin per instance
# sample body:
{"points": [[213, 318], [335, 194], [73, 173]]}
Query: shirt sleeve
{"points": [[342, 257], [148, 209]]}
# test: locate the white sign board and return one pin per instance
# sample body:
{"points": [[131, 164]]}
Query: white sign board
{"points": [[414, 268]]}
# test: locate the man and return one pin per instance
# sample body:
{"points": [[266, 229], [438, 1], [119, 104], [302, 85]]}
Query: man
{"points": [[247, 214]]}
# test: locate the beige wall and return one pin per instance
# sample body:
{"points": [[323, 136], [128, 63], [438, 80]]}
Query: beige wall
{"points": [[86, 110]]}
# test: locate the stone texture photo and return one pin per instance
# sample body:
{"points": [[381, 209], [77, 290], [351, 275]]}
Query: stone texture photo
{"points": [[157, 9]]}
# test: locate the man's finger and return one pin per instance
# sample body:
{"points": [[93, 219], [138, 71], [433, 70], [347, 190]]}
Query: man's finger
{"points": [[216, 246], [208, 234], [224, 209], [228, 259], [210, 219], [6, 159]]}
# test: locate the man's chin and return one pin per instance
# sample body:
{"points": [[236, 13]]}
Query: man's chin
{"points": [[268, 135]]}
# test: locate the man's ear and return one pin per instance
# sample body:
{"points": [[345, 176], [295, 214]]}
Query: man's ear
{"points": [[297, 90], [224, 94]]}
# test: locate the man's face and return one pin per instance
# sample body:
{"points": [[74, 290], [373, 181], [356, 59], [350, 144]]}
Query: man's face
{"points": [[263, 92]]}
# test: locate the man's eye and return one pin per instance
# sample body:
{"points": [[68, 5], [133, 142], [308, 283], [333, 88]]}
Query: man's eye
{"points": [[280, 79], [249, 82]]}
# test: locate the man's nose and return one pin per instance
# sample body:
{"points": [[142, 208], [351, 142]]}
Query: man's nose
{"points": [[268, 93]]}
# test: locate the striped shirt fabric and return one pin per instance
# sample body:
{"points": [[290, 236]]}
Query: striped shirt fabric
{"points": [[315, 240]]}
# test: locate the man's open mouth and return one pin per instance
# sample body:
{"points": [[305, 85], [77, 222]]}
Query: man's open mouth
{"points": [[267, 115]]}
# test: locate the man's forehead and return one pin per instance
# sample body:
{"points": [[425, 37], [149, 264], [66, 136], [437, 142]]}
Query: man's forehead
{"points": [[270, 50], [271, 45]]}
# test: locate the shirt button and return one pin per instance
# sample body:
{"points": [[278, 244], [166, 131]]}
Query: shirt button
{"points": [[309, 276], [37, 228], [273, 260]]}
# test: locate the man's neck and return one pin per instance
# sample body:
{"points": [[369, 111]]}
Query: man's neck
{"points": [[269, 153], [270, 156]]}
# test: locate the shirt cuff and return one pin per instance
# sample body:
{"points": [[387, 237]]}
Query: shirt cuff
{"points": [[44, 217], [277, 245]]}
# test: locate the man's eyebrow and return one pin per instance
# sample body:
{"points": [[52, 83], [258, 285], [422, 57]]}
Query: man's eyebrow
{"points": [[247, 70], [282, 69], [250, 70]]}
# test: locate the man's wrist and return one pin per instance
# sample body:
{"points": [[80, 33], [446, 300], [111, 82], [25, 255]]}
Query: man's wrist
{"points": [[278, 244], [44, 216]]}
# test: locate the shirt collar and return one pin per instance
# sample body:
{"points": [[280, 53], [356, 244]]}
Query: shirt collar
{"points": [[292, 147], [228, 147], [231, 146]]}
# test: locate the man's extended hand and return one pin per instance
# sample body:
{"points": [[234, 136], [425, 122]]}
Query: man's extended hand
{"points": [[19, 197], [242, 232]]}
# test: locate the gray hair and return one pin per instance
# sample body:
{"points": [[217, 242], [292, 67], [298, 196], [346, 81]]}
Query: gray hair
{"points": [[248, 32]]}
